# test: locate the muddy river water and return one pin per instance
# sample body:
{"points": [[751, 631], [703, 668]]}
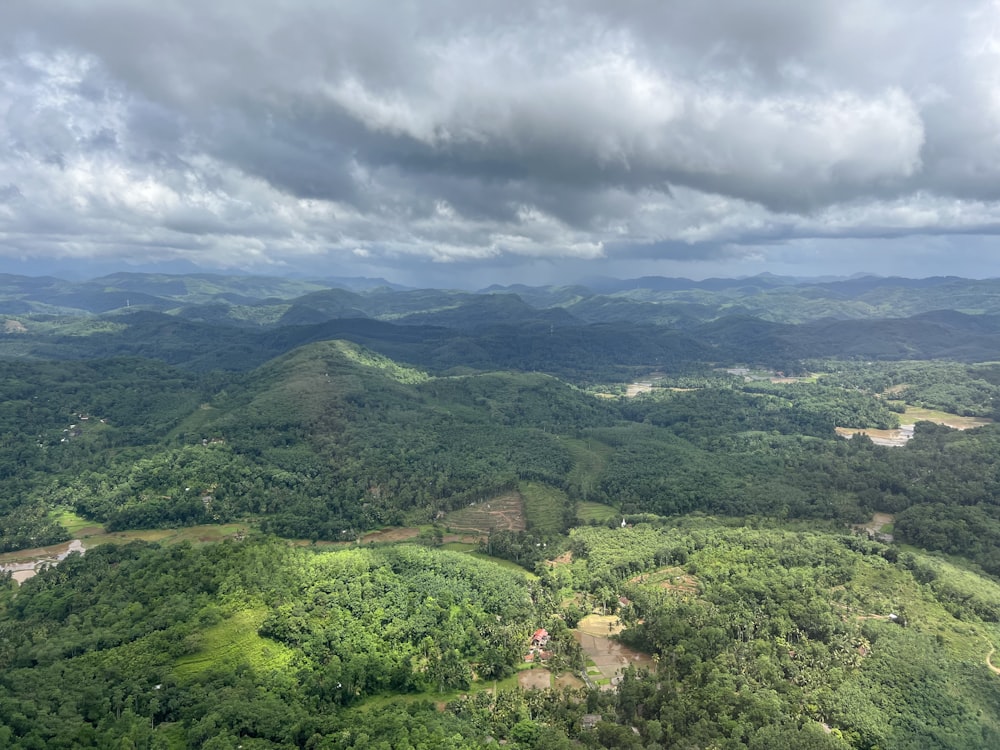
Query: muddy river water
{"points": [[31, 561]]}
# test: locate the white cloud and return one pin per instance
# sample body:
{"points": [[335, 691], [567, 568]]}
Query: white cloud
{"points": [[469, 133]]}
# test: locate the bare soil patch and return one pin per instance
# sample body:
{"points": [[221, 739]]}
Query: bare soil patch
{"points": [[914, 414], [892, 438], [569, 680], [634, 389], [602, 625], [534, 679], [396, 534], [14, 326], [564, 559], [504, 512], [874, 527], [609, 657]]}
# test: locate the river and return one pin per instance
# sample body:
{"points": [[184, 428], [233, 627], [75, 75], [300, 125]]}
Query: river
{"points": [[33, 560]]}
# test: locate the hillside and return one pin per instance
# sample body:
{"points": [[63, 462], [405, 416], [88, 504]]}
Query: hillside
{"points": [[332, 440]]}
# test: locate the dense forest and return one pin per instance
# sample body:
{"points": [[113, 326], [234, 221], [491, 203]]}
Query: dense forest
{"points": [[791, 518]]}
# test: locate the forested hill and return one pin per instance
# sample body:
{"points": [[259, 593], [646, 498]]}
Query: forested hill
{"points": [[333, 439]]}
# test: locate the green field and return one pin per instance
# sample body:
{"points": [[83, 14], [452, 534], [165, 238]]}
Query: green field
{"points": [[597, 512], [919, 413], [544, 507], [72, 522], [232, 642]]}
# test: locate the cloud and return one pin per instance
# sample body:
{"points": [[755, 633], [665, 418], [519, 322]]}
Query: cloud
{"points": [[471, 133]]}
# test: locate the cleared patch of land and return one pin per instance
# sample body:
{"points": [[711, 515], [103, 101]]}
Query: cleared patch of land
{"points": [[913, 415], [587, 511], [892, 438], [564, 559], [534, 679], [919, 414], [26, 563], [394, 534], [634, 389], [881, 523], [76, 524], [234, 640], [602, 625], [504, 512], [202, 534], [93, 536], [606, 658], [672, 579], [569, 680], [544, 506]]}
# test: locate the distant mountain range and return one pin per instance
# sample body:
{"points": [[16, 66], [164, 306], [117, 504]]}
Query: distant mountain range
{"points": [[607, 329]]}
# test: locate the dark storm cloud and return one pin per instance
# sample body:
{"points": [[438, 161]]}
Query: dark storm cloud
{"points": [[401, 133]]}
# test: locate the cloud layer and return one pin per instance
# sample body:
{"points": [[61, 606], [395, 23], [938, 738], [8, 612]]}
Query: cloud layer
{"points": [[396, 136]]}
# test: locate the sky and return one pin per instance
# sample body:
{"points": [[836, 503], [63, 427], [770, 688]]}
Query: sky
{"points": [[467, 142]]}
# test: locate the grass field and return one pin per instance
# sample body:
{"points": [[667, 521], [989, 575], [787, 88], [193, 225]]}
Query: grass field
{"points": [[460, 546], [918, 414], [234, 641], [93, 533], [74, 523], [203, 534], [588, 512], [544, 507]]}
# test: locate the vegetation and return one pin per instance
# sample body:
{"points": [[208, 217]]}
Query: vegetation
{"points": [[757, 636], [707, 517]]}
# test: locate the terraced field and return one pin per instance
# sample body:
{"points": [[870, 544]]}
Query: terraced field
{"points": [[504, 512]]}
